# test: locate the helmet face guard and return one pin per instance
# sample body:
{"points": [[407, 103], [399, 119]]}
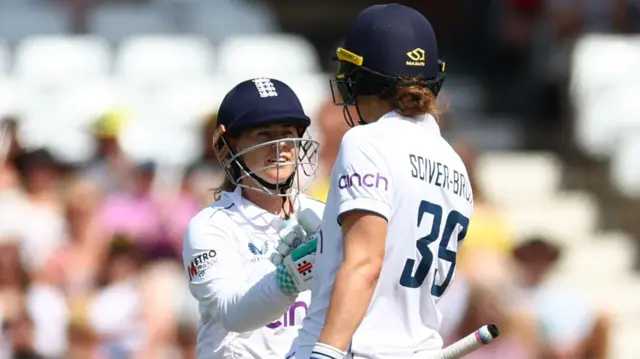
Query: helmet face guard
{"points": [[305, 164], [353, 80]]}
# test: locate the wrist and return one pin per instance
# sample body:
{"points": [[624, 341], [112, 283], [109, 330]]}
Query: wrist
{"points": [[326, 351], [284, 282]]}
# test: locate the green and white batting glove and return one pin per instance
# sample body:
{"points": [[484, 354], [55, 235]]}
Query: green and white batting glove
{"points": [[295, 273], [291, 236]]}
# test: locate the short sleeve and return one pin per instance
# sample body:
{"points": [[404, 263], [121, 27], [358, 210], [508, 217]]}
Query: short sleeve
{"points": [[361, 176]]}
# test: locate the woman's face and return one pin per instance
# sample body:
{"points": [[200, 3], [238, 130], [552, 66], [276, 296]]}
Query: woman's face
{"points": [[273, 163]]}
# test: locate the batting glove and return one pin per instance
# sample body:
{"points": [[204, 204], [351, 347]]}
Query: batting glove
{"points": [[295, 273], [291, 236]]}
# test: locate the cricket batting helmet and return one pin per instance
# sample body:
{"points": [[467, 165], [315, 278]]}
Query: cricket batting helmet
{"points": [[261, 102], [384, 47]]}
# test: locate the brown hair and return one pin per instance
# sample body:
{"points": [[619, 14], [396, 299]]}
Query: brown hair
{"points": [[414, 100], [226, 186]]}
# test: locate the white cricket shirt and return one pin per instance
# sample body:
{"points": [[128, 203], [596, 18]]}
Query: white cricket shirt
{"points": [[402, 169], [243, 313]]}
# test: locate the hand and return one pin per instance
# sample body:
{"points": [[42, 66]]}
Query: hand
{"points": [[291, 236], [296, 232], [295, 273]]}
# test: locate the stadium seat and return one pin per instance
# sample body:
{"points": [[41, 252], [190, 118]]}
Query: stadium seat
{"points": [[62, 58], [172, 57], [20, 21], [219, 19], [119, 22], [601, 62], [270, 55], [625, 165], [5, 58], [510, 177], [624, 341], [313, 91], [568, 219], [604, 84], [601, 124], [59, 116], [181, 103], [614, 252], [7, 98], [165, 145]]}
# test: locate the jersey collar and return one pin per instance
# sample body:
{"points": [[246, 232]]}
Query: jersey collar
{"points": [[256, 215], [427, 121]]}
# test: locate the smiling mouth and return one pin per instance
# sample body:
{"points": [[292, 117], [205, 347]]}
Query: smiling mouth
{"points": [[279, 160]]}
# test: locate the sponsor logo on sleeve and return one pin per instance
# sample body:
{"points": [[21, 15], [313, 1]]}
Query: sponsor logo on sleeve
{"points": [[369, 180], [293, 317], [201, 263]]}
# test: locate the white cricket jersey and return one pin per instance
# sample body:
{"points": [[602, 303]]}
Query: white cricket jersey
{"points": [[243, 313], [402, 169]]}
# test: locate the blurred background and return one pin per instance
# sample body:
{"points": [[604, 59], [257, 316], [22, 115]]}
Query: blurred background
{"points": [[108, 106]]}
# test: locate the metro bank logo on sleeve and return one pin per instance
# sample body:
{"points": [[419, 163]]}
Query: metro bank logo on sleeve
{"points": [[356, 179]]}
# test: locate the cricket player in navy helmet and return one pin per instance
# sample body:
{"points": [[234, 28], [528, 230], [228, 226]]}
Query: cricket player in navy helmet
{"points": [[249, 307], [399, 202]]}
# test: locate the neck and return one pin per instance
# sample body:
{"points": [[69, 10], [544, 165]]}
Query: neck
{"points": [[269, 203], [372, 108]]}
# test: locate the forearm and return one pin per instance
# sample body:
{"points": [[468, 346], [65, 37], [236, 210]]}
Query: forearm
{"points": [[352, 293], [243, 309]]}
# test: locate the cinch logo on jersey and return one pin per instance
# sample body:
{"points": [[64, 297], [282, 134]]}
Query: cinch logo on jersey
{"points": [[201, 263], [290, 318], [365, 180]]}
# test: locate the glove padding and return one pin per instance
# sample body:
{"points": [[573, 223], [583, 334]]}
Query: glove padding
{"points": [[295, 273], [290, 237]]}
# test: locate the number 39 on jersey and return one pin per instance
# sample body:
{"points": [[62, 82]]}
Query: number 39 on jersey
{"points": [[414, 274]]}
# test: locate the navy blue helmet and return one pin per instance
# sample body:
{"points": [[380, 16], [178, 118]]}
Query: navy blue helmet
{"points": [[261, 102], [385, 46]]}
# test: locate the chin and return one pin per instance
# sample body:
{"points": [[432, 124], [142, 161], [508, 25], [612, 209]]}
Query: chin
{"points": [[275, 177]]}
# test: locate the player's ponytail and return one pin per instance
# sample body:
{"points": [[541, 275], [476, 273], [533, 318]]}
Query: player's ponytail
{"points": [[414, 100]]}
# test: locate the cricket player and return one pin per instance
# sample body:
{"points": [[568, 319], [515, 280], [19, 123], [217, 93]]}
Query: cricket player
{"points": [[399, 202], [249, 308]]}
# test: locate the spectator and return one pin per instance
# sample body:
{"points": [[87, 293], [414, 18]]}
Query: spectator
{"points": [[487, 229], [569, 327], [178, 210], [135, 212], [41, 177], [10, 150], [109, 168], [115, 313], [20, 333], [74, 266], [485, 293]]}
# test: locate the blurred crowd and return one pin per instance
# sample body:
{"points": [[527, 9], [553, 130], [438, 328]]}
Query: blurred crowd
{"points": [[90, 260], [90, 256]]}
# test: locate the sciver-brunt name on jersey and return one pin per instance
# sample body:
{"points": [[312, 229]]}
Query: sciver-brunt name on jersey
{"points": [[438, 174]]}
